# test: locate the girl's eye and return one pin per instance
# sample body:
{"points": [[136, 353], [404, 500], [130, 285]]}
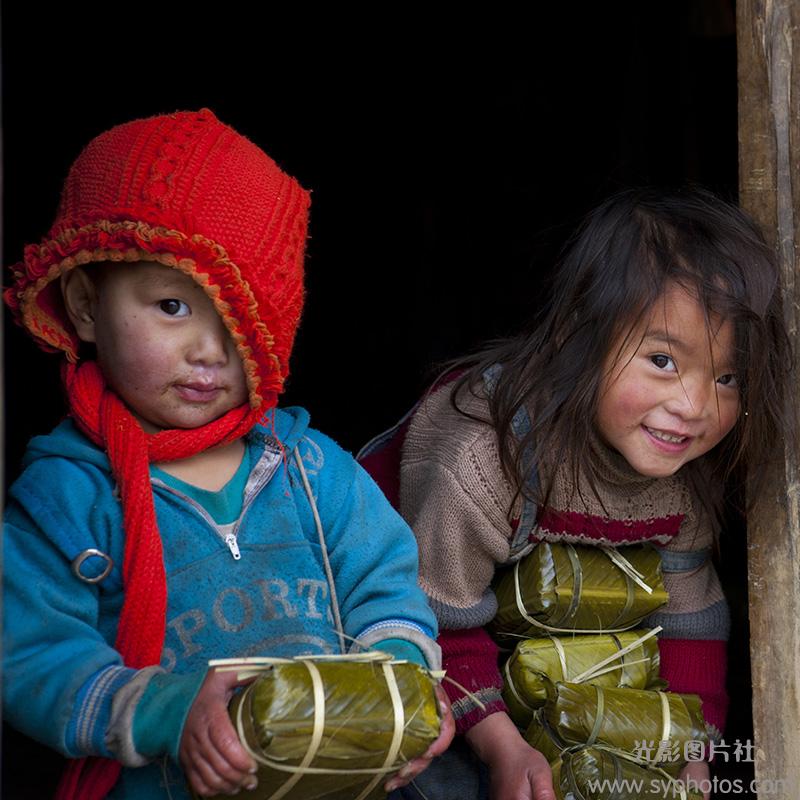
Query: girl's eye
{"points": [[173, 307], [663, 362], [728, 380]]}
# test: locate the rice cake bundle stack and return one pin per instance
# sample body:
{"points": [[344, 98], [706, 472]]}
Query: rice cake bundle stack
{"points": [[598, 773], [563, 588], [334, 727], [629, 720], [628, 659], [597, 702]]}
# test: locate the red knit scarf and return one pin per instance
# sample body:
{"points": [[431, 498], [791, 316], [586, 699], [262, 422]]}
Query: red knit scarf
{"points": [[102, 416]]}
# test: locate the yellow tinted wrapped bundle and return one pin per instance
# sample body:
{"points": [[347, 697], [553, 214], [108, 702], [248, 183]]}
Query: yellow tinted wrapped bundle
{"points": [[632, 720], [628, 659], [596, 773], [334, 728], [539, 736], [565, 588]]}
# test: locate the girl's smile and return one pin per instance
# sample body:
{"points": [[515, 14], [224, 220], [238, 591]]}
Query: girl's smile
{"points": [[667, 438], [669, 393]]}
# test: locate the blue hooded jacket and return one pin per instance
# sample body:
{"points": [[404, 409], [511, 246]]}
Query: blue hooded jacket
{"points": [[256, 586]]}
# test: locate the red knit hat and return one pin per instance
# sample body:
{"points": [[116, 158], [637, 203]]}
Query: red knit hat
{"points": [[191, 193], [188, 192]]}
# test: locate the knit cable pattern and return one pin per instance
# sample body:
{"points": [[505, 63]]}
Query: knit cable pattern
{"points": [[189, 192]]}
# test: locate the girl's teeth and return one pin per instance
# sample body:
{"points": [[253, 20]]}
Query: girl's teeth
{"points": [[666, 437]]}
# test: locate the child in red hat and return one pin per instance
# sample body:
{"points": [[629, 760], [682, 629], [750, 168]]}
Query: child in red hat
{"points": [[178, 515]]}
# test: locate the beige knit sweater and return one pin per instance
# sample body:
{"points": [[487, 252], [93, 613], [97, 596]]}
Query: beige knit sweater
{"points": [[461, 508]]}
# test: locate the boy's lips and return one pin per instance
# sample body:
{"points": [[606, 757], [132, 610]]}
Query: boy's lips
{"points": [[198, 392]]}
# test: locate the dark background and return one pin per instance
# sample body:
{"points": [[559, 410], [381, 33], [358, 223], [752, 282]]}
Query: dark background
{"points": [[449, 158]]}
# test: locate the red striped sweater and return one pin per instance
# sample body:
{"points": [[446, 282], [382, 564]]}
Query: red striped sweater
{"points": [[461, 507]]}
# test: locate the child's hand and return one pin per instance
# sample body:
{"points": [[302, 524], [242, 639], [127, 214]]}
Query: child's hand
{"points": [[210, 752], [446, 733], [696, 774], [516, 770]]}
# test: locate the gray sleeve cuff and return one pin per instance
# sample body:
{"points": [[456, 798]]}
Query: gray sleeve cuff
{"points": [[119, 735], [454, 618], [148, 715], [430, 649]]}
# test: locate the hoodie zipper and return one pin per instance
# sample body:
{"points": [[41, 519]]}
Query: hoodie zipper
{"points": [[262, 473], [233, 546]]}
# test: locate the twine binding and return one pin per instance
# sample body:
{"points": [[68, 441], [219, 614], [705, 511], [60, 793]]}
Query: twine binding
{"points": [[598, 717], [510, 684], [666, 717], [251, 667], [596, 670], [630, 572], [337, 618], [678, 790], [591, 740]]}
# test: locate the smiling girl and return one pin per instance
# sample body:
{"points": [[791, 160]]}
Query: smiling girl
{"points": [[657, 370]]}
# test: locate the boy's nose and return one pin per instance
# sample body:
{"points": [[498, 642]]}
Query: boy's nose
{"points": [[209, 346]]}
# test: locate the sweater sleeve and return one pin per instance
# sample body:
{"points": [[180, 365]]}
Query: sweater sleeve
{"points": [[469, 657], [698, 666], [64, 683], [373, 555], [696, 620], [693, 642], [458, 510]]}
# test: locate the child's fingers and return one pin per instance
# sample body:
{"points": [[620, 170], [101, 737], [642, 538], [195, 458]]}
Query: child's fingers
{"points": [[198, 786], [221, 761], [542, 786], [209, 772], [205, 787], [540, 777], [225, 742], [217, 768], [406, 774], [212, 756], [417, 765], [203, 776], [448, 726]]}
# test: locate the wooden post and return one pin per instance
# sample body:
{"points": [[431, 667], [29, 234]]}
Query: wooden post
{"points": [[768, 37]]}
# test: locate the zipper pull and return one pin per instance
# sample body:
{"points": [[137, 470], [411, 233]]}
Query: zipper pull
{"points": [[233, 546]]}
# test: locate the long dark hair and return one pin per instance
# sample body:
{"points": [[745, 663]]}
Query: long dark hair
{"points": [[614, 270]]}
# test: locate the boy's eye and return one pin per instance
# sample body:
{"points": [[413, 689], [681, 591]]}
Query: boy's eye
{"points": [[728, 380], [663, 362], [175, 308]]}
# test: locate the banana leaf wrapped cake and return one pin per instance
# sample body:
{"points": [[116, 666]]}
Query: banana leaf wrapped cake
{"points": [[334, 727], [563, 588], [628, 659], [632, 720], [597, 773]]}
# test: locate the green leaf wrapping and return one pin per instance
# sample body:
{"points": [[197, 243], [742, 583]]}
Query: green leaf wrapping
{"points": [[539, 736], [275, 715], [627, 718], [566, 587], [535, 665], [580, 775]]}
